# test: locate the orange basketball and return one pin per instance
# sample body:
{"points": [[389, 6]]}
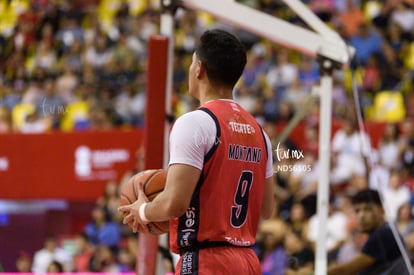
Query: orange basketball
{"points": [[153, 183]]}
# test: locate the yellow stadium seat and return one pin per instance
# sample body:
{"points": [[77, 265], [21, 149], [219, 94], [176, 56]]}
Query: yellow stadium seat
{"points": [[20, 112], [409, 60], [74, 113], [9, 13], [389, 107]]}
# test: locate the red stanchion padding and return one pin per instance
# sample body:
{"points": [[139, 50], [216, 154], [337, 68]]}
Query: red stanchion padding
{"points": [[155, 117]]}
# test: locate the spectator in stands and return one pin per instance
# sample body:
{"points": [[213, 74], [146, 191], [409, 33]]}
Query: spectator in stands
{"points": [[366, 42], [83, 253], [351, 18], [304, 177], [100, 118], [110, 198], [300, 256], [407, 155], [130, 104], [357, 183], [104, 260], [50, 252], [350, 150], [126, 260], [308, 72], [298, 220], [296, 95], [66, 84], [281, 75], [409, 240], [271, 252], [69, 31], [98, 54], [24, 262], [405, 220], [351, 247], [34, 91], [390, 146], [45, 57], [380, 254], [55, 267], [256, 67], [5, 120], [51, 106], [102, 230], [395, 195], [11, 96], [34, 123], [403, 16], [336, 228], [132, 243]]}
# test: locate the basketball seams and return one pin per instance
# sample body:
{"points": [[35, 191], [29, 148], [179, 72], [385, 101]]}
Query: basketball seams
{"points": [[158, 227], [152, 181], [133, 188], [148, 181], [127, 198]]}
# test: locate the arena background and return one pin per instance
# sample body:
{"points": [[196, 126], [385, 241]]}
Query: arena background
{"points": [[72, 101]]}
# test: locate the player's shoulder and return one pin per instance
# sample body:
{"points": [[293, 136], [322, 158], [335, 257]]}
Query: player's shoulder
{"points": [[194, 117]]}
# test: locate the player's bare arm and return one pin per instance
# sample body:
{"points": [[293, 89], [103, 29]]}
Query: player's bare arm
{"points": [[170, 203], [175, 199], [268, 204]]}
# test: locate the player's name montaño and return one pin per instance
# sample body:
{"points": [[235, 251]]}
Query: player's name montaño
{"points": [[244, 153]]}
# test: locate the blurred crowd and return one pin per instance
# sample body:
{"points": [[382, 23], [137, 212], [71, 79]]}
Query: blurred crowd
{"points": [[72, 66], [104, 245], [68, 68]]}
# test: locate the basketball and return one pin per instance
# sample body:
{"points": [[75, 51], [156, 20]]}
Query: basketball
{"points": [[153, 183]]}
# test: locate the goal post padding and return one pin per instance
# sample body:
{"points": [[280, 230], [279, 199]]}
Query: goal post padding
{"points": [[155, 118]]}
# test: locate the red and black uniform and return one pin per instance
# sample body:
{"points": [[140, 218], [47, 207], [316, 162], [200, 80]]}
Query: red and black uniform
{"points": [[221, 223]]}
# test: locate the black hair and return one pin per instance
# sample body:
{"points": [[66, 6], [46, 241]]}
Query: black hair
{"points": [[222, 55], [367, 196], [58, 265]]}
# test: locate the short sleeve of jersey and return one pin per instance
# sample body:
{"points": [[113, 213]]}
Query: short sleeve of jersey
{"points": [[193, 135], [269, 165]]}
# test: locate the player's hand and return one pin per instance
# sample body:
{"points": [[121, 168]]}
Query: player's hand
{"points": [[131, 212]]}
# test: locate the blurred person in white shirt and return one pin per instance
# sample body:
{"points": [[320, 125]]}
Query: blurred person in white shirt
{"points": [[350, 149], [395, 195], [49, 253]]}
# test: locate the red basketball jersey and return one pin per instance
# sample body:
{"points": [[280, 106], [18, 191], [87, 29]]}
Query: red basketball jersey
{"points": [[226, 204]]}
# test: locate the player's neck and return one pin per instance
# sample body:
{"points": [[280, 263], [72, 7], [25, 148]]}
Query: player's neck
{"points": [[213, 93]]}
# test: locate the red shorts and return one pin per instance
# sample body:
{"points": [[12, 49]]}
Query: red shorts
{"points": [[225, 260]]}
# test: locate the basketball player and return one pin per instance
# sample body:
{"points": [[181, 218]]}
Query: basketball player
{"points": [[380, 254], [220, 176]]}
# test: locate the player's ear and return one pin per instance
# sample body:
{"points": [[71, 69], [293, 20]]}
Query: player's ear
{"points": [[200, 70]]}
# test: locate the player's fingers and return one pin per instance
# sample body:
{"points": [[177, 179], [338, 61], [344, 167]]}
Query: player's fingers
{"points": [[128, 218], [140, 187], [124, 209], [141, 193], [136, 227]]}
